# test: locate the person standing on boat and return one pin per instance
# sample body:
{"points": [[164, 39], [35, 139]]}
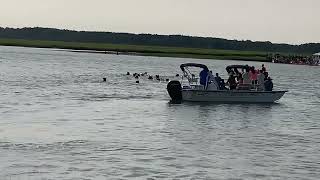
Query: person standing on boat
{"points": [[261, 78], [212, 79], [220, 81], [237, 74], [212, 83], [232, 82], [268, 84], [246, 77], [253, 76], [211, 76], [263, 68], [203, 77], [266, 75]]}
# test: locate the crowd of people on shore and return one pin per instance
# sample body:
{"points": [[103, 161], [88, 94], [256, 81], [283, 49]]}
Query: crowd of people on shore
{"points": [[249, 78], [299, 60]]}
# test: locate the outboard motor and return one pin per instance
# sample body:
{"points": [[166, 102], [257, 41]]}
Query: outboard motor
{"points": [[175, 91]]}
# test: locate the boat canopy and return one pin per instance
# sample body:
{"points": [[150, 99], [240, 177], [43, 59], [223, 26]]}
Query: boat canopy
{"points": [[183, 66], [229, 68]]}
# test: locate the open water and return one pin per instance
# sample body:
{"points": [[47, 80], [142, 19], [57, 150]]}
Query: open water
{"points": [[58, 120]]}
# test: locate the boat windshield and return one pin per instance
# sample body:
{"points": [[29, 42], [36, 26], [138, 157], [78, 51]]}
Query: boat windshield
{"points": [[194, 75]]}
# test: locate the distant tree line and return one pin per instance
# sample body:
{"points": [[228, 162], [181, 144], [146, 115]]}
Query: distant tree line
{"points": [[51, 34]]}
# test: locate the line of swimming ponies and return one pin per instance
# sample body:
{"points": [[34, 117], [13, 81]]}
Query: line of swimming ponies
{"points": [[145, 74]]}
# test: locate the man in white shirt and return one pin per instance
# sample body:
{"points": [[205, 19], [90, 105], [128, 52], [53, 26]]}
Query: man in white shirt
{"points": [[212, 80], [261, 78], [246, 77]]}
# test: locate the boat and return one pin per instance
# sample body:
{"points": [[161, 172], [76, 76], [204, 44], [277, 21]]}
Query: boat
{"points": [[316, 59], [193, 91]]}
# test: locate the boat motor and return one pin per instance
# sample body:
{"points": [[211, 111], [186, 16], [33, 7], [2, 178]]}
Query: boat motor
{"points": [[175, 91]]}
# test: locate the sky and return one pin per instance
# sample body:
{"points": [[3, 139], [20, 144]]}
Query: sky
{"points": [[279, 21]]}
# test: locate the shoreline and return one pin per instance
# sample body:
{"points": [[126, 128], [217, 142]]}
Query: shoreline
{"points": [[197, 56], [140, 50]]}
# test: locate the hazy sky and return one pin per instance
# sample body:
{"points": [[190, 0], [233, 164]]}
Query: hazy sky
{"points": [[289, 21]]}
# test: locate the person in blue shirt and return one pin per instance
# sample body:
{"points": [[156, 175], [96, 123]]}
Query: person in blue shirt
{"points": [[203, 77]]}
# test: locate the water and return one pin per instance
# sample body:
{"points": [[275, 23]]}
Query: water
{"points": [[60, 121]]}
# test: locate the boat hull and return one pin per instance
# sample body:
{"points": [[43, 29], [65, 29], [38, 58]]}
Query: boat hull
{"points": [[232, 96]]}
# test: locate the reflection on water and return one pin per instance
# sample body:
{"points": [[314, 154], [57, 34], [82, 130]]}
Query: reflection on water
{"points": [[59, 120]]}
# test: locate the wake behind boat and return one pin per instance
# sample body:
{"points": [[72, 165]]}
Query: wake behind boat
{"points": [[208, 88]]}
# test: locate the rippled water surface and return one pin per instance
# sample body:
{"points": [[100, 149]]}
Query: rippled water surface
{"points": [[60, 121]]}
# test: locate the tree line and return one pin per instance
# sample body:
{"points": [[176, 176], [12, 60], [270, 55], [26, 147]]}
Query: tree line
{"points": [[52, 34]]}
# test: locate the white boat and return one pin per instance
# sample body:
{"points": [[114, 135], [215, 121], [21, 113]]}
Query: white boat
{"points": [[195, 92], [316, 59]]}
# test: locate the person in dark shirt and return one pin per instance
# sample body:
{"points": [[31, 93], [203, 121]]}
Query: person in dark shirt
{"points": [[263, 68], [220, 81], [268, 84], [232, 82], [266, 75]]}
